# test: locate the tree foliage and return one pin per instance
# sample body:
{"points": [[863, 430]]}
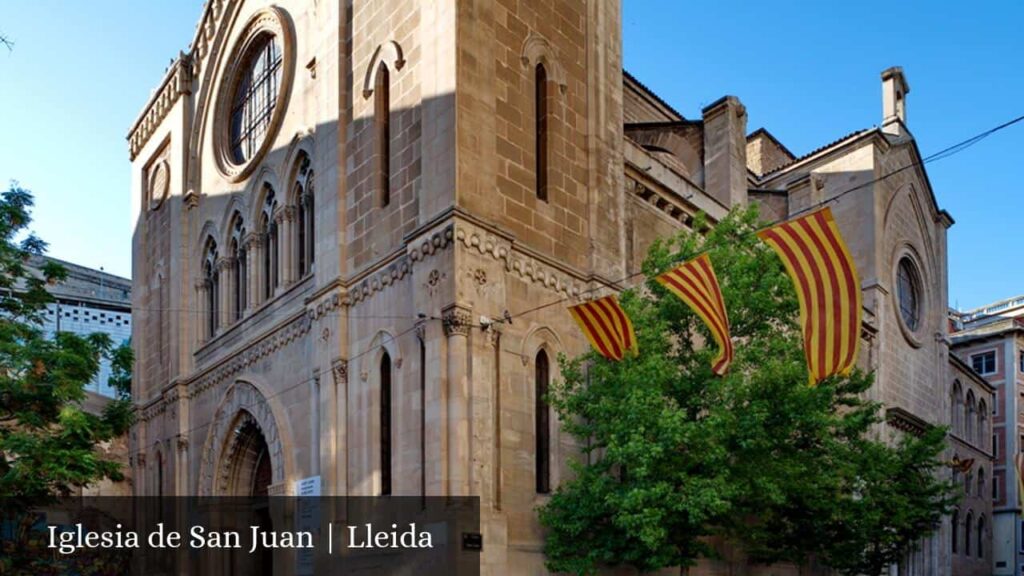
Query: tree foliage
{"points": [[47, 440], [677, 459]]}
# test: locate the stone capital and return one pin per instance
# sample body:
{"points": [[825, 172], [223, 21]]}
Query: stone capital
{"points": [[339, 369], [457, 320]]}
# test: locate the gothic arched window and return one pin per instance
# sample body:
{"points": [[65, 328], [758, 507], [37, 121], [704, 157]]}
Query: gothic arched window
{"points": [[268, 232], [385, 425], [304, 230], [255, 97], [542, 381], [981, 536], [968, 525], [211, 282], [981, 483], [956, 403], [970, 417], [239, 270], [982, 422], [541, 111], [954, 533], [382, 126]]}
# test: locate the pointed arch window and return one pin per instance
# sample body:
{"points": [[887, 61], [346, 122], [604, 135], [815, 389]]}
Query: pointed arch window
{"points": [[382, 127], [981, 483], [542, 381], [968, 525], [269, 235], [969, 417], [981, 536], [956, 408], [954, 534], [541, 111], [239, 270], [385, 425], [211, 282], [304, 229]]}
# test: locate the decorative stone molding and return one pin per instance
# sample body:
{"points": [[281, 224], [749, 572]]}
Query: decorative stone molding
{"points": [[339, 370], [325, 305], [243, 404], [191, 199], [390, 53], [456, 320], [904, 421], [177, 81], [659, 201], [527, 268], [271, 20], [537, 50], [398, 270]]}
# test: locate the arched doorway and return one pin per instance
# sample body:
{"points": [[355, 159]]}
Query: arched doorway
{"points": [[250, 476]]}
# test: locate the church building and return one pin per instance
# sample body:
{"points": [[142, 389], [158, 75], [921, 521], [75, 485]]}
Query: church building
{"points": [[336, 205]]}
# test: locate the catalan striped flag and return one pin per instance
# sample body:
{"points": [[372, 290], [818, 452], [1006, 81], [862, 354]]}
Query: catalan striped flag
{"points": [[826, 281], [607, 327], [695, 283]]}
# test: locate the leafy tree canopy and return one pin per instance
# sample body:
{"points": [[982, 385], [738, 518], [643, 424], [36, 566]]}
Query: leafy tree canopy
{"points": [[677, 459], [47, 440]]}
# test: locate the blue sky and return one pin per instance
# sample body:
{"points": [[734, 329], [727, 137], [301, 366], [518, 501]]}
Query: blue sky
{"points": [[80, 72]]}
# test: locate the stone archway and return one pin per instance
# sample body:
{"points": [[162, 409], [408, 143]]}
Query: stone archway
{"points": [[244, 432]]}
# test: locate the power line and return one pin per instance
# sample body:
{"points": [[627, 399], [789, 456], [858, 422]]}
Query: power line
{"points": [[940, 155]]}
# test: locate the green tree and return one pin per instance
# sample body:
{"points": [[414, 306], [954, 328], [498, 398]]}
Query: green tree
{"points": [[47, 440], [676, 458]]}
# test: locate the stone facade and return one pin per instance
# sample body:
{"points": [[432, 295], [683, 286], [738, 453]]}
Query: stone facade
{"points": [[990, 340], [444, 203]]}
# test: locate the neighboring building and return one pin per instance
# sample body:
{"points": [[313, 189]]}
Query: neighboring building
{"points": [[972, 412], [990, 339], [471, 158], [90, 301], [86, 302]]}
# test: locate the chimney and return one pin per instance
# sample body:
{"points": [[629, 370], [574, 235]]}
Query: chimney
{"points": [[725, 151], [894, 101]]}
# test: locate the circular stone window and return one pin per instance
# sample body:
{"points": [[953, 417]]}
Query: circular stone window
{"points": [[253, 93], [159, 184], [908, 293]]}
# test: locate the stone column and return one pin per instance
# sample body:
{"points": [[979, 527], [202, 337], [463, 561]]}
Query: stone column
{"points": [[282, 251], [457, 322], [250, 271], [224, 281], [256, 272], [200, 318], [289, 254]]}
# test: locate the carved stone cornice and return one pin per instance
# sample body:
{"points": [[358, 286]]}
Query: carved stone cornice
{"points": [[905, 421], [456, 320], [177, 81], [400, 268], [526, 267], [259, 349]]}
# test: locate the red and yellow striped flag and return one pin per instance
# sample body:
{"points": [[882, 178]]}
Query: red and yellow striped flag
{"points": [[826, 281], [607, 327], [695, 283]]}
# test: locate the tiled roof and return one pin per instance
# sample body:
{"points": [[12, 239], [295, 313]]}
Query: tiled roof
{"points": [[651, 93], [818, 150]]}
